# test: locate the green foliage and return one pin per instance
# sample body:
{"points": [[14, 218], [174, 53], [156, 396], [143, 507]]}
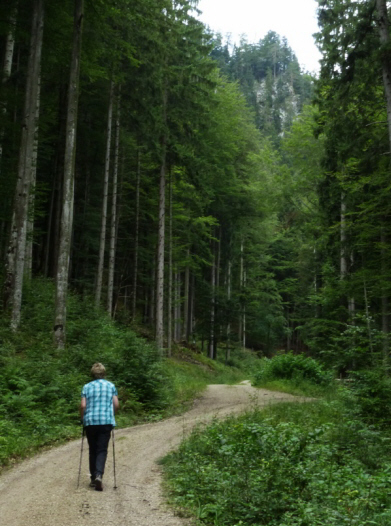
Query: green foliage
{"points": [[293, 465], [40, 388], [358, 345], [292, 367], [191, 373], [372, 391]]}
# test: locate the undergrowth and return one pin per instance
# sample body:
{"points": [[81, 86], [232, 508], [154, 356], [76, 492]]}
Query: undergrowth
{"points": [[40, 387], [290, 465], [294, 374]]}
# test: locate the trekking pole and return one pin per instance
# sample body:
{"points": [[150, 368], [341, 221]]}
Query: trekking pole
{"points": [[115, 480], [81, 455]]}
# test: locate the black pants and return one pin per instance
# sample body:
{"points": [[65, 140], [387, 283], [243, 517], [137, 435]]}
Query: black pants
{"points": [[98, 441]]}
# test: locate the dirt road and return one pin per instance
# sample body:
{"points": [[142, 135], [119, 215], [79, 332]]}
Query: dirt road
{"points": [[42, 491]]}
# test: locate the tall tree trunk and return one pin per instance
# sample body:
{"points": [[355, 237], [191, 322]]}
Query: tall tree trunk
{"points": [[229, 277], [30, 222], [10, 45], [212, 304], [177, 310], [68, 184], [160, 256], [218, 271], [343, 258], [102, 245], [244, 310], [384, 33], [137, 212], [82, 261], [152, 296], [113, 225], [344, 255], [384, 297], [185, 332], [146, 296], [49, 231], [169, 306], [8, 59], [218, 260], [17, 247], [191, 307], [161, 234], [53, 237], [240, 335], [367, 317]]}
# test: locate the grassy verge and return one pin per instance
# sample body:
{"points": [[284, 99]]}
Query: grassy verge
{"points": [[191, 373], [299, 388]]}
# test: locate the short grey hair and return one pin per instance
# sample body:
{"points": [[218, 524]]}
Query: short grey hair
{"points": [[98, 370]]}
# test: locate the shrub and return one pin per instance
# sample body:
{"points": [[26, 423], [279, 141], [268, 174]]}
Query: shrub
{"points": [[262, 469], [372, 391], [292, 367], [40, 387]]}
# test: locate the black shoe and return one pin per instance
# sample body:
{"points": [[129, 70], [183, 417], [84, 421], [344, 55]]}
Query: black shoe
{"points": [[92, 483], [98, 483]]}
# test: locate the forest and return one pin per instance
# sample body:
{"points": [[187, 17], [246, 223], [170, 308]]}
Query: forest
{"points": [[201, 191], [164, 191], [145, 169]]}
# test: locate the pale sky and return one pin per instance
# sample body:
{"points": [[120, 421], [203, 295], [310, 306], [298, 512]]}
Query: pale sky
{"points": [[293, 19]]}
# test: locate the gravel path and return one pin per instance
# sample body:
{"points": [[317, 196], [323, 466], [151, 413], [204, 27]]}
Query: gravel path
{"points": [[42, 491]]}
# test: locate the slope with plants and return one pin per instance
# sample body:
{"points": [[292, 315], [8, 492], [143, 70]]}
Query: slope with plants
{"points": [[40, 388]]}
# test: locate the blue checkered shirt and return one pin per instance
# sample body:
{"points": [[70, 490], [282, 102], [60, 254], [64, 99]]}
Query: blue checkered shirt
{"points": [[99, 397]]}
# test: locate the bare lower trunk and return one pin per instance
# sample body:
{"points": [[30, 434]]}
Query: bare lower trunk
{"points": [[160, 254], [212, 306], [49, 231], [185, 333], [244, 311], [113, 225], [217, 306], [218, 260], [240, 335], [136, 236], [17, 248], [102, 244], [52, 247], [367, 316], [191, 307], [229, 272], [344, 260], [161, 236], [152, 296], [384, 33], [69, 178], [30, 222], [177, 331], [169, 306], [384, 297], [146, 296]]}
